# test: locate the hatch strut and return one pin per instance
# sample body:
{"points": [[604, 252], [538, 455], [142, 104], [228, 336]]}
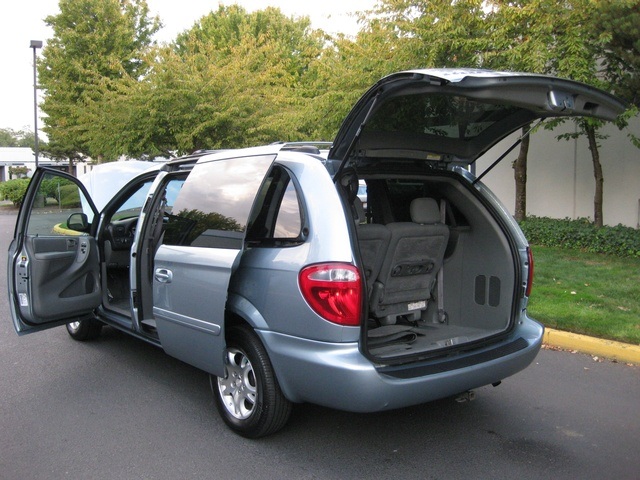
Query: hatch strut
{"points": [[508, 151], [356, 137]]}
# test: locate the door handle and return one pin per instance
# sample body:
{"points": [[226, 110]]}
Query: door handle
{"points": [[164, 275]]}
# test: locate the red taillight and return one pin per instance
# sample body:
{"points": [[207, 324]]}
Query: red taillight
{"points": [[333, 291], [530, 274]]}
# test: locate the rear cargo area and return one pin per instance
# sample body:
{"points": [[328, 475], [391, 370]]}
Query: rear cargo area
{"points": [[447, 277]]}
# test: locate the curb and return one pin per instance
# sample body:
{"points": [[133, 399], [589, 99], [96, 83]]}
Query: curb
{"points": [[622, 352], [64, 231]]}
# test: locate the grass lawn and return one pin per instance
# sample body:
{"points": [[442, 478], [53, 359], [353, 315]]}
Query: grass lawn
{"points": [[587, 293]]}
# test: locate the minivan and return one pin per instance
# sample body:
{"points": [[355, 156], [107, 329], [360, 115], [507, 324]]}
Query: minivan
{"points": [[263, 267]]}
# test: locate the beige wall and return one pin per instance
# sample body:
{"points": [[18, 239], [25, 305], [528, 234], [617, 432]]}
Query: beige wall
{"points": [[560, 176]]}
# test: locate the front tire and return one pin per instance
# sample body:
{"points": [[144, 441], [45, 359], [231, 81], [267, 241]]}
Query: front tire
{"points": [[84, 330], [249, 398]]}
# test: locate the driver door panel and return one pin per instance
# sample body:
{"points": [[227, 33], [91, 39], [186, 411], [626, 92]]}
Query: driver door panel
{"points": [[60, 274], [53, 270]]}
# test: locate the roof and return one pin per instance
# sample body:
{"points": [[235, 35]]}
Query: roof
{"points": [[16, 155]]}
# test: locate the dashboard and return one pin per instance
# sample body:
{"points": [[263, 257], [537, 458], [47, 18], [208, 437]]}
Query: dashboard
{"points": [[121, 232]]}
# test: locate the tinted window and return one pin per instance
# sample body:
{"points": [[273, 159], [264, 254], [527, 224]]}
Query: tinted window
{"points": [[440, 115], [288, 221], [213, 205], [279, 216]]}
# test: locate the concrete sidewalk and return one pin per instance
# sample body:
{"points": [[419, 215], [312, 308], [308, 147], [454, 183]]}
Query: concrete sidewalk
{"points": [[622, 352]]}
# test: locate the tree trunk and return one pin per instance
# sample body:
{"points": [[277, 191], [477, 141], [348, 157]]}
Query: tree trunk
{"points": [[520, 175], [70, 169], [598, 219]]}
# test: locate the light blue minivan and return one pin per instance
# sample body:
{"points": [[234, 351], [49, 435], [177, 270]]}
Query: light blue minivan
{"points": [[263, 267]]}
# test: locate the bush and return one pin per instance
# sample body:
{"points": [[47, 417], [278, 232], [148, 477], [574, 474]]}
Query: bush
{"points": [[14, 190], [69, 197], [582, 234]]}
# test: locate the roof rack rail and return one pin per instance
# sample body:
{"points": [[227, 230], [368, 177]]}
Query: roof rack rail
{"points": [[310, 146], [186, 161]]}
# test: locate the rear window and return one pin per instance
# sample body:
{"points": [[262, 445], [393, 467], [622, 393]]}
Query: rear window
{"points": [[448, 116]]}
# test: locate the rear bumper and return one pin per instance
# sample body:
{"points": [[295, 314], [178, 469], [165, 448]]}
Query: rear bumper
{"points": [[337, 375]]}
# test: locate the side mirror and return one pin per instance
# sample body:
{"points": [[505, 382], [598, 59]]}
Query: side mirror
{"points": [[78, 222]]}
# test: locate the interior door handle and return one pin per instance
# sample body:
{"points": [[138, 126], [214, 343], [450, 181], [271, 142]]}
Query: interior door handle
{"points": [[164, 275]]}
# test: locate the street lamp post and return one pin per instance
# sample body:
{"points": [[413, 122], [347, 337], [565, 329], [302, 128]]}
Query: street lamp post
{"points": [[35, 44]]}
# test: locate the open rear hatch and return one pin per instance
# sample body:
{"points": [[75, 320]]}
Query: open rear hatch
{"points": [[458, 114], [443, 267]]}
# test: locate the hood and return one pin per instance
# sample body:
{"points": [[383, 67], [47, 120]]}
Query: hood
{"points": [[105, 180], [457, 115]]}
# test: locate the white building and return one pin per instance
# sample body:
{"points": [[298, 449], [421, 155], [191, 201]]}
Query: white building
{"points": [[25, 157], [560, 179]]}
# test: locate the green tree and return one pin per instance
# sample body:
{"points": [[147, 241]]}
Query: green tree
{"points": [[395, 35], [578, 56], [342, 73], [437, 33], [232, 80], [7, 138], [18, 171], [19, 138], [617, 25], [520, 33], [568, 39], [93, 40]]}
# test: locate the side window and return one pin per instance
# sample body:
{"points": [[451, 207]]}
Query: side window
{"points": [[212, 208], [288, 221], [278, 217], [56, 199]]}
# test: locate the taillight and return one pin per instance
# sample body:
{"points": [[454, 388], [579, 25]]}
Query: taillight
{"points": [[530, 275], [333, 291]]}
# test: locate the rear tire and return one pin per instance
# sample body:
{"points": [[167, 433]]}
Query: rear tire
{"points": [[249, 398], [84, 330]]}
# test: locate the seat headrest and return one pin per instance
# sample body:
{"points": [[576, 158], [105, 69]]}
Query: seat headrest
{"points": [[424, 211]]}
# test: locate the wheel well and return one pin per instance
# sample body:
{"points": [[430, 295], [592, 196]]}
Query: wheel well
{"points": [[232, 319]]}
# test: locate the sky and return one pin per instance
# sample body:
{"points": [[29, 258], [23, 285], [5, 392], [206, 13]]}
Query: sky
{"points": [[23, 20]]}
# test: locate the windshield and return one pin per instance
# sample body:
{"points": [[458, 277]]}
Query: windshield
{"points": [[133, 205]]}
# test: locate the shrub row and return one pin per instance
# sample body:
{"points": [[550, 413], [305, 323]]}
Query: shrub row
{"points": [[14, 190], [582, 234]]}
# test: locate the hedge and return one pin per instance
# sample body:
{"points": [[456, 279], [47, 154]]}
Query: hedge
{"points": [[582, 234], [14, 190]]}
